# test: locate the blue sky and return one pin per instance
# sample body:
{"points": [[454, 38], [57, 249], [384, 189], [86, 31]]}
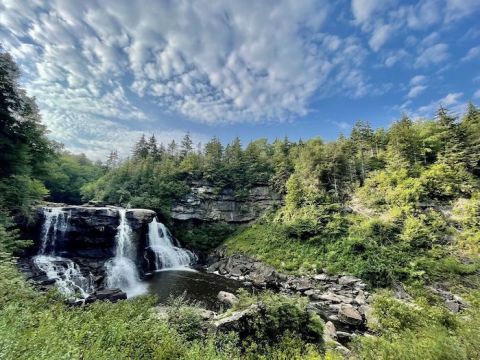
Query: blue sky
{"points": [[104, 72]]}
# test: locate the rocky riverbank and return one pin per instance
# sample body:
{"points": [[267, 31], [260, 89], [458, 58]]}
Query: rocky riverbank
{"points": [[342, 301]]}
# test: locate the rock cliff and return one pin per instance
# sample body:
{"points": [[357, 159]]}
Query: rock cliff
{"points": [[204, 203]]}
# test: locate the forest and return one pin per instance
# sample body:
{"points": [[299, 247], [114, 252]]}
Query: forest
{"points": [[396, 205]]}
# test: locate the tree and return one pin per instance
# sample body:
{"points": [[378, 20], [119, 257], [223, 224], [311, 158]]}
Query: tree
{"points": [[112, 160], [140, 150], [214, 162], [186, 146], [362, 140], [235, 163], [403, 149], [451, 137], [152, 147], [471, 128]]}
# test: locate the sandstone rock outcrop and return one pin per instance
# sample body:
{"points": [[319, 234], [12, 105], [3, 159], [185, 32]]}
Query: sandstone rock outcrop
{"points": [[205, 203]]}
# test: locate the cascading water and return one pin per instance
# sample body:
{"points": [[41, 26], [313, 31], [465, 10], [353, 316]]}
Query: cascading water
{"points": [[167, 255], [67, 275], [121, 270]]}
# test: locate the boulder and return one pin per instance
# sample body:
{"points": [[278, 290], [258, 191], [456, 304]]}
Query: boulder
{"points": [[329, 332], [112, 295], [236, 320], [348, 280], [227, 298], [350, 315]]}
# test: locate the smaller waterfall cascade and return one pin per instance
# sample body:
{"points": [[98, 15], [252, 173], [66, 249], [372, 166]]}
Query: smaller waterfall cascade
{"points": [[67, 275], [121, 270], [167, 255]]}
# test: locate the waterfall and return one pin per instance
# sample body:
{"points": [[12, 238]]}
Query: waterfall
{"points": [[167, 255], [121, 270], [66, 273], [55, 224]]}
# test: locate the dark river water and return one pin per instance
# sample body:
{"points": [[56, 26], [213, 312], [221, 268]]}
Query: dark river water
{"points": [[195, 285]]}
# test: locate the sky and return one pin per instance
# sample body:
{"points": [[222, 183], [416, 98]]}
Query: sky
{"points": [[104, 72]]}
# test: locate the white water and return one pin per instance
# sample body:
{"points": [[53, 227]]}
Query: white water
{"points": [[121, 270], [167, 255], [67, 275], [56, 223]]}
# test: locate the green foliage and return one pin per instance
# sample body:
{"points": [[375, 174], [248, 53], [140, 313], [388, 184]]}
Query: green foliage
{"points": [[278, 316], [420, 331], [66, 176], [204, 236]]}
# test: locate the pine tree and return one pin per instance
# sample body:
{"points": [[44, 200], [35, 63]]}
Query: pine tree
{"points": [[140, 150], [451, 137], [152, 147], [112, 160], [471, 128], [186, 146]]}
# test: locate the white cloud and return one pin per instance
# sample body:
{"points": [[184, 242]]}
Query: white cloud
{"points": [[363, 9], [457, 9], [394, 57], [432, 55], [472, 54], [477, 94], [380, 36], [450, 101], [417, 80], [210, 61], [416, 90]]}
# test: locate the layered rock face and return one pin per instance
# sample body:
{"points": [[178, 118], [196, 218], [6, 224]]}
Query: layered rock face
{"points": [[342, 300], [90, 231], [205, 204]]}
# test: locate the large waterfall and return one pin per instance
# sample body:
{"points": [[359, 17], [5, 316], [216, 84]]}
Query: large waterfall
{"points": [[167, 255], [121, 270], [67, 275]]}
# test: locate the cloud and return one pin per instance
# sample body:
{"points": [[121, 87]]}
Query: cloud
{"points": [[213, 62], [416, 90], [363, 9], [477, 94], [457, 9], [450, 101], [380, 36], [418, 80], [417, 86], [432, 55], [472, 54]]}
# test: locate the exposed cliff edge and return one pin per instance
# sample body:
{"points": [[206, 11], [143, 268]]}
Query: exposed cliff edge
{"points": [[205, 203]]}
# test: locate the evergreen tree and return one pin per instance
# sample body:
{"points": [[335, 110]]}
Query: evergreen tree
{"points": [[451, 138], [140, 150], [471, 128], [362, 140], [152, 147], [186, 146], [112, 160]]}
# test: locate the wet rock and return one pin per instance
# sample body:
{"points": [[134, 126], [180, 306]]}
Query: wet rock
{"points": [[227, 298], [112, 295]]}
